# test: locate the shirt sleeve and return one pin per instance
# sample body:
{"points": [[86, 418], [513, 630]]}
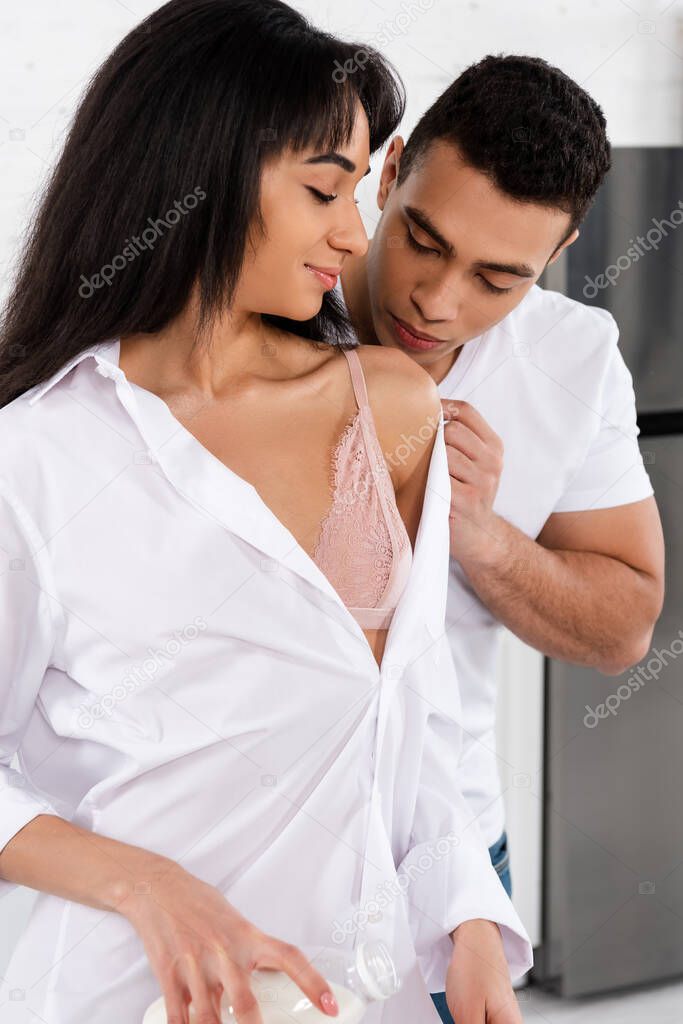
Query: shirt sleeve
{"points": [[451, 878], [612, 472], [27, 633], [445, 863]]}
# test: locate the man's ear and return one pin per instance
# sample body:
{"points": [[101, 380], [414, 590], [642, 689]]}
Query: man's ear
{"points": [[568, 241], [390, 170]]}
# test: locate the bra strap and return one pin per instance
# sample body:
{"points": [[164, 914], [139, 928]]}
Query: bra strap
{"points": [[357, 379]]}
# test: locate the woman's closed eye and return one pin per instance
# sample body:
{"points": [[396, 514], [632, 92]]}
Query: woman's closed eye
{"points": [[323, 197]]}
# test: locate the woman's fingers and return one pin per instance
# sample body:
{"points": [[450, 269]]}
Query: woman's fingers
{"points": [[201, 947], [284, 957], [175, 1004], [233, 989], [202, 999], [238, 993], [244, 1005]]}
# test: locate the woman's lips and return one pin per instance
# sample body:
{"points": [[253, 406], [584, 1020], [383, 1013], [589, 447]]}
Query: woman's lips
{"points": [[406, 337], [327, 275]]}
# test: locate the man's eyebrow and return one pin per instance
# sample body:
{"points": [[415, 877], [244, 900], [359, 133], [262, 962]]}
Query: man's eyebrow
{"points": [[518, 269], [423, 221], [334, 158]]}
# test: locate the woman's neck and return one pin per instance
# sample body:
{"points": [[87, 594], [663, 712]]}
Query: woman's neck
{"points": [[234, 355]]}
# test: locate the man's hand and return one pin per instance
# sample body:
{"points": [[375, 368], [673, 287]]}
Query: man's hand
{"points": [[478, 986], [588, 589], [475, 462]]}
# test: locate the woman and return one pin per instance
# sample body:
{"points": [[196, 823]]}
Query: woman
{"points": [[221, 755]]}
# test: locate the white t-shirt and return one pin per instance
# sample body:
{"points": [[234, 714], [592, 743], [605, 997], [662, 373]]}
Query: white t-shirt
{"points": [[552, 383]]}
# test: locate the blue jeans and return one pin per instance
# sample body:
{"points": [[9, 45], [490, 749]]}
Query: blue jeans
{"points": [[501, 862]]}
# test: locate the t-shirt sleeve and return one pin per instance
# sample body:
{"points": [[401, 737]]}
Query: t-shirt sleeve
{"points": [[612, 472]]}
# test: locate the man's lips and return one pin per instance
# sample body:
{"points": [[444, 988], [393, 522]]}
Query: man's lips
{"points": [[328, 275], [413, 338]]}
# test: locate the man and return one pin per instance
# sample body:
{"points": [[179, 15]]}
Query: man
{"points": [[555, 532]]}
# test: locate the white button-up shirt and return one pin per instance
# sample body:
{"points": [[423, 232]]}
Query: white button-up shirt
{"points": [[178, 673]]}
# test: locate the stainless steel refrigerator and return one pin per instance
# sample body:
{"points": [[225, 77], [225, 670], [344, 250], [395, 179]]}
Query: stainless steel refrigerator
{"points": [[613, 808]]}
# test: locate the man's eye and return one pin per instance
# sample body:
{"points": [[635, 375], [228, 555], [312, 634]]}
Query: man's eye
{"points": [[491, 287], [412, 241], [322, 197]]}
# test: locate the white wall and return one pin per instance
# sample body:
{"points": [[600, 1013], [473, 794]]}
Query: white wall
{"points": [[628, 54]]}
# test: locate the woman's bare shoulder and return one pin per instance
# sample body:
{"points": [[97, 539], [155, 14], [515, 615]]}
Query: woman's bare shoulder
{"points": [[405, 403], [390, 373]]}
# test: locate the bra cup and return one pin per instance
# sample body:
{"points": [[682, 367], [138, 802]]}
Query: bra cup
{"points": [[363, 546]]}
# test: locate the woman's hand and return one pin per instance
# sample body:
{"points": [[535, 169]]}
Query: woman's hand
{"points": [[478, 987], [199, 946]]}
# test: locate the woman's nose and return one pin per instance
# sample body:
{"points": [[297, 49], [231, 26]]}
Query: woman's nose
{"points": [[351, 234]]}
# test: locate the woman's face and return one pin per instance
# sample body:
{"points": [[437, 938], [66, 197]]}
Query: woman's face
{"points": [[311, 222]]}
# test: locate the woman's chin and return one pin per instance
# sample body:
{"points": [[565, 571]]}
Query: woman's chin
{"points": [[304, 310]]}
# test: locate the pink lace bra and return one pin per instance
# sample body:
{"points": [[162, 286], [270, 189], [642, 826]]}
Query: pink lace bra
{"points": [[363, 547]]}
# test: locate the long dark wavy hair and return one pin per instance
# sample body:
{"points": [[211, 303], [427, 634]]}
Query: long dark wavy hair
{"points": [[177, 124]]}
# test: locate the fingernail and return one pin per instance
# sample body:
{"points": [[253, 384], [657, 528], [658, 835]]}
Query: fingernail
{"points": [[329, 1003]]}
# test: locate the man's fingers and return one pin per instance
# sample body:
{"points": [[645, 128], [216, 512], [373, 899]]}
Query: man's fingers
{"points": [[461, 468], [467, 414], [460, 436]]}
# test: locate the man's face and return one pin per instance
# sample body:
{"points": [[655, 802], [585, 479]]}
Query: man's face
{"points": [[452, 255]]}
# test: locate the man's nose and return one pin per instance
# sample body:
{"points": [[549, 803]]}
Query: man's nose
{"points": [[437, 302]]}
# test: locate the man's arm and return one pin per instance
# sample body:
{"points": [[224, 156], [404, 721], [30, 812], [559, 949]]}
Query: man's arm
{"points": [[588, 590]]}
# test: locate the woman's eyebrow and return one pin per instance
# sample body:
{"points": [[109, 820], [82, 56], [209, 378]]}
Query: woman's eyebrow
{"points": [[334, 158]]}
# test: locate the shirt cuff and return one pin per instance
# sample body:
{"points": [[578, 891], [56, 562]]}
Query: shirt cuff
{"points": [[452, 886], [19, 804]]}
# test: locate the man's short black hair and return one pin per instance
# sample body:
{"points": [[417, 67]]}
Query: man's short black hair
{"points": [[534, 131]]}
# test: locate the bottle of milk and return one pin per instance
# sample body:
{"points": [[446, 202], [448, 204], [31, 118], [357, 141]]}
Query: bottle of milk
{"points": [[356, 980]]}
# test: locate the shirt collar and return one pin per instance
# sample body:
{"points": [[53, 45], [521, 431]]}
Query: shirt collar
{"points": [[106, 355]]}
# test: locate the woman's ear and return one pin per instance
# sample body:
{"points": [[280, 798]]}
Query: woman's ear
{"points": [[390, 170]]}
